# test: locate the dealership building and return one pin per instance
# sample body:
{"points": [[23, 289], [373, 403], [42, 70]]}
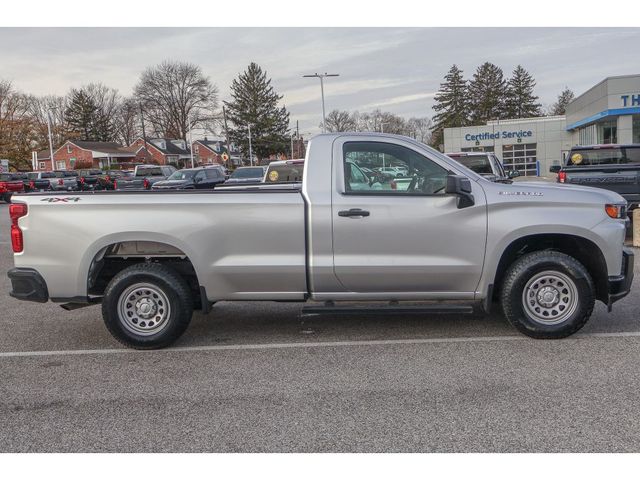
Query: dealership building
{"points": [[607, 113]]}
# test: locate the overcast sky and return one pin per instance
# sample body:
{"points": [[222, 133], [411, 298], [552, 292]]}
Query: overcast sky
{"points": [[394, 69]]}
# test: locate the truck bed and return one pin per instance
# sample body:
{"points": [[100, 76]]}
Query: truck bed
{"points": [[244, 243]]}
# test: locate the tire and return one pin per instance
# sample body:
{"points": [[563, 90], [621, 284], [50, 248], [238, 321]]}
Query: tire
{"points": [[551, 282], [147, 306]]}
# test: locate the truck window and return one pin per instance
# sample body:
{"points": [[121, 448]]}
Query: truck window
{"points": [[604, 156], [394, 170]]}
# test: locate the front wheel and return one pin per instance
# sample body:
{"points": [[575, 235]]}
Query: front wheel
{"points": [[547, 294], [147, 306]]}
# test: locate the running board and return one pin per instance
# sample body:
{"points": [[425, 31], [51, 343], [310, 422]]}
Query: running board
{"points": [[387, 310]]}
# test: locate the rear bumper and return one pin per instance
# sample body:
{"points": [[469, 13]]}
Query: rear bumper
{"points": [[620, 285], [28, 284]]}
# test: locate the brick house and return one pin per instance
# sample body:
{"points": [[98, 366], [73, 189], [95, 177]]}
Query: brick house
{"points": [[81, 153], [162, 151]]}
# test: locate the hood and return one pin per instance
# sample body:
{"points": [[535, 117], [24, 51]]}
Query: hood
{"points": [[171, 183], [549, 192], [244, 180]]}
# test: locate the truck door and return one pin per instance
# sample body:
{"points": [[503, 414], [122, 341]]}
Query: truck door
{"points": [[402, 234]]}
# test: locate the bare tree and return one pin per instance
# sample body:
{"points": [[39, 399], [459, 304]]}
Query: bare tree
{"points": [[127, 121], [420, 128], [16, 133], [340, 121], [174, 94], [55, 106]]}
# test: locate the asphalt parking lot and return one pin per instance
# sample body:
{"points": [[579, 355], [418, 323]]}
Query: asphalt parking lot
{"points": [[252, 377]]}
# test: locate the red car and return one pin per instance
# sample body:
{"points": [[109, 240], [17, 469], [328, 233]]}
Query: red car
{"points": [[10, 184]]}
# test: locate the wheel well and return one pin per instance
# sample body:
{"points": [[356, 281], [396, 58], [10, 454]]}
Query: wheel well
{"points": [[114, 258], [580, 248]]}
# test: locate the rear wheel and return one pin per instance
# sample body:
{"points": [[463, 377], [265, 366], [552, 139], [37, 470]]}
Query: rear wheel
{"points": [[547, 294], [147, 306]]}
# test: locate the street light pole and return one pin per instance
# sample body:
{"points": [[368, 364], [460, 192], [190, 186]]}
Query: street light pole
{"points": [[321, 76], [191, 143], [250, 149], [53, 167]]}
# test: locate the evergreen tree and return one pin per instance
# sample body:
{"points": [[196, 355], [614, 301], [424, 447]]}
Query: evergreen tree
{"points": [[565, 97], [81, 114], [487, 94], [87, 118], [520, 100], [255, 103], [451, 105]]}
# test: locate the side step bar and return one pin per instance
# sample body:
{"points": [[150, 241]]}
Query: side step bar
{"points": [[386, 310]]}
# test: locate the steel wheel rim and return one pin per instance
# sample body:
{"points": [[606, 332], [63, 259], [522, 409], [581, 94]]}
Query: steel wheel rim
{"points": [[550, 297], [144, 309]]}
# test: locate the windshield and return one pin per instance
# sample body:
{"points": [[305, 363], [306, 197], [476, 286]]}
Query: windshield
{"points": [[603, 156], [477, 163], [7, 177], [183, 175], [248, 173], [149, 172]]}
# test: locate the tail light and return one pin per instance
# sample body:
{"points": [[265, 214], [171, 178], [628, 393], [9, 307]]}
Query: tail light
{"points": [[81, 179], [60, 181], [394, 185], [562, 177], [146, 184], [3, 186], [32, 184], [108, 178], [16, 211], [115, 184]]}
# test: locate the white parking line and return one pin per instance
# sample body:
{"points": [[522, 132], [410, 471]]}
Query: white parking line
{"points": [[279, 346]]}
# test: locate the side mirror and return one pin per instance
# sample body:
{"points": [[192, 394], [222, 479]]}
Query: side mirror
{"points": [[555, 168], [514, 173], [460, 186]]}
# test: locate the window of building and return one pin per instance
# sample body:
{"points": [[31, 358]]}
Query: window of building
{"points": [[608, 131], [384, 168], [61, 165], [635, 134], [43, 165], [478, 149], [69, 149], [521, 157]]}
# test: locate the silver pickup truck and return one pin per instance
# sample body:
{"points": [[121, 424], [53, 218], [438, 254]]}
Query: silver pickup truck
{"points": [[451, 241]]}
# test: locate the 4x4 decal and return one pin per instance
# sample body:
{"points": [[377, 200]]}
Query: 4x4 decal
{"points": [[61, 199]]}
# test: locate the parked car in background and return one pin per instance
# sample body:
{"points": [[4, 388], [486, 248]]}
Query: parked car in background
{"points": [[244, 175], [394, 171], [10, 184], [612, 167], [66, 180], [109, 178], [144, 176], [192, 178], [89, 179], [39, 181], [486, 164], [284, 171]]}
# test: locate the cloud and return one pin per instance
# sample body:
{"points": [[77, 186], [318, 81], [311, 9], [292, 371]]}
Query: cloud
{"points": [[398, 69]]}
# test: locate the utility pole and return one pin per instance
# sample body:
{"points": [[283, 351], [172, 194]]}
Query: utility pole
{"points": [[191, 144], [321, 76], [291, 147], [226, 134], [250, 149], [53, 166]]}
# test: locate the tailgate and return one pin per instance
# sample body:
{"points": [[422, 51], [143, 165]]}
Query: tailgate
{"points": [[623, 179]]}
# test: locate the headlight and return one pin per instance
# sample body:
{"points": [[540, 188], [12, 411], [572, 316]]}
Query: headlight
{"points": [[616, 210]]}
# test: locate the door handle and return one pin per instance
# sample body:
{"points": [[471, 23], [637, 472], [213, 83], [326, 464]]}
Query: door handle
{"points": [[353, 212]]}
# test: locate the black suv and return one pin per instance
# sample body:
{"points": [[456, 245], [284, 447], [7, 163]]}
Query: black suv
{"points": [[192, 178], [612, 167]]}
